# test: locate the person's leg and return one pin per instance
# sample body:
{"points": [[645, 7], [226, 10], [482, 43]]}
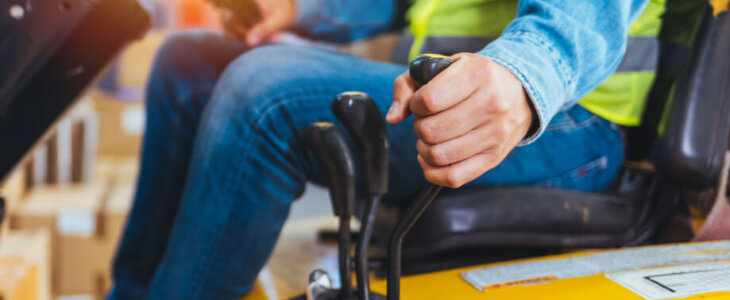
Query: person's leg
{"points": [[182, 79], [578, 151], [249, 163]]}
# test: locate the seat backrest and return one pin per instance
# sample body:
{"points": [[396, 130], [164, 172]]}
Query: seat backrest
{"points": [[693, 136]]}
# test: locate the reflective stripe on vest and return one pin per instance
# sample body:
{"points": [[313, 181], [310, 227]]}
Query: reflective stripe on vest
{"points": [[451, 26], [642, 53]]}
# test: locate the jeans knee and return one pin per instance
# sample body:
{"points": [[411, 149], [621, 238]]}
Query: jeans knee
{"points": [[180, 49], [257, 82]]}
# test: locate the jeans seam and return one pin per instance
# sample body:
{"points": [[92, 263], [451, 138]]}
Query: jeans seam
{"points": [[595, 165]]}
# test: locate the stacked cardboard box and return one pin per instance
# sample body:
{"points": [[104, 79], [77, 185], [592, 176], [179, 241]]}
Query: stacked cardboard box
{"points": [[67, 153], [80, 261], [121, 112], [121, 125], [114, 170], [24, 266], [136, 61], [12, 191], [86, 222], [18, 280]]}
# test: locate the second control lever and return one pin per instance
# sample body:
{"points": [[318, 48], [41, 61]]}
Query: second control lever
{"points": [[331, 148], [363, 120]]}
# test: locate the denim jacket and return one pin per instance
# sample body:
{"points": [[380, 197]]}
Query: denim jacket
{"points": [[559, 49]]}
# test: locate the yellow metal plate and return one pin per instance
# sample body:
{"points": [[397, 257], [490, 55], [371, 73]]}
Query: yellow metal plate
{"points": [[719, 6], [449, 285]]}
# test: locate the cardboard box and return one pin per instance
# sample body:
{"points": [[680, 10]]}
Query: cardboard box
{"points": [[121, 125], [12, 191], [136, 61], [24, 266], [84, 141], [118, 169], [80, 259], [116, 211], [18, 280], [58, 153], [39, 157]]}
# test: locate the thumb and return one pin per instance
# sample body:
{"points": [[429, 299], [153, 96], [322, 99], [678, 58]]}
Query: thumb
{"points": [[403, 89]]}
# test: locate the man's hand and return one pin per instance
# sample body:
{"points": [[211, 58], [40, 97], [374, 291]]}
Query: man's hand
{"points": [[468, 118], [262, 19]]}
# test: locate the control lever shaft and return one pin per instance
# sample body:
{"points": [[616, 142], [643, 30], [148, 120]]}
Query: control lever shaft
{"points": [[363, 120], [422, 70]]}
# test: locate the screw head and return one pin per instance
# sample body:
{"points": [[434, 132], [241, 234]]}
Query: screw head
{"points": [[16, 12]]}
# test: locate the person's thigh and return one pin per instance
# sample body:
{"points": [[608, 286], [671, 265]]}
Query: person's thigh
{"points": [[250, 163], [182, 79], [578, 151]]}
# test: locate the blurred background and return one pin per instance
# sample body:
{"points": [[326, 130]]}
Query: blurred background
{"points": [[67, 202]]}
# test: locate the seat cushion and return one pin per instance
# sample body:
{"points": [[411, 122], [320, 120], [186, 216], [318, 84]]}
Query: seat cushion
{"points": [[519, 216]]}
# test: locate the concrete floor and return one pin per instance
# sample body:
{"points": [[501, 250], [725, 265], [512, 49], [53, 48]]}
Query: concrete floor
{"points": [[314, 202]]}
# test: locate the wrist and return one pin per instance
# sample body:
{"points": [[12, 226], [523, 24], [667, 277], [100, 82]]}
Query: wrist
{"points": [[534, 123]]}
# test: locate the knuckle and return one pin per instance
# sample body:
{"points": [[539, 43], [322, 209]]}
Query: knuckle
{"points": [[496, 104], [453, 179], [426, 131], [428, 101], [400, 81], [438, 156]]}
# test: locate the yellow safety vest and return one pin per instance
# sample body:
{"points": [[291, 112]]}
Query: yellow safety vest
{"points": [[451, 26]]}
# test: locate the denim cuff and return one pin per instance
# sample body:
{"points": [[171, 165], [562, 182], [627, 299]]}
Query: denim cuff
{"points": [[308, 11], [533, 60]]}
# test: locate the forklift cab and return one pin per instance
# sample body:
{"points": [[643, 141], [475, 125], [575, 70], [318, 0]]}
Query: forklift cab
{"points": [[678, 150], [51, 51]]}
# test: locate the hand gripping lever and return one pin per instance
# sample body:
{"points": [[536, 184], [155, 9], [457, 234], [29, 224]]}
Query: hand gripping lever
{"points": [[422, 70]]}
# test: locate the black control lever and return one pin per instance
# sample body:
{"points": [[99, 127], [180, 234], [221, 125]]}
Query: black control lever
{"points": [[331, 148], [422, 70], [363, 120]]}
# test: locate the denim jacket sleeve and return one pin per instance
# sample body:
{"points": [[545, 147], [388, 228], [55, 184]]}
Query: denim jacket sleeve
{"points": [[347, 20], [561, 50]]}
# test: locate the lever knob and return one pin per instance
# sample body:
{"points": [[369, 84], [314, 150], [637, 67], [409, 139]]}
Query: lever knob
{"points": [[331, 148], [425, 67], [363, 120]]}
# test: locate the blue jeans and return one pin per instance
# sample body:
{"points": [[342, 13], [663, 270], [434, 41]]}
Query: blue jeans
{"points": [[223, 159]]}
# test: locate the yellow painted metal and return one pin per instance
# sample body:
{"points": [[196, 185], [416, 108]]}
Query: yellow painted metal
{"points": [[298, 252], [449, 285], [719, 6]]}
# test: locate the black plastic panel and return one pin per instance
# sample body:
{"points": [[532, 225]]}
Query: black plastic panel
{"points": [[29, 41], [60, 69]]}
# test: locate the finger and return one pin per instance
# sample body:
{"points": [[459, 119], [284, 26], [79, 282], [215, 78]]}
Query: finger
{"points": [[458, 120], [458, 174], [262, 30], [403, 89], [447, 89], [458, 149], [232, 27]]}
